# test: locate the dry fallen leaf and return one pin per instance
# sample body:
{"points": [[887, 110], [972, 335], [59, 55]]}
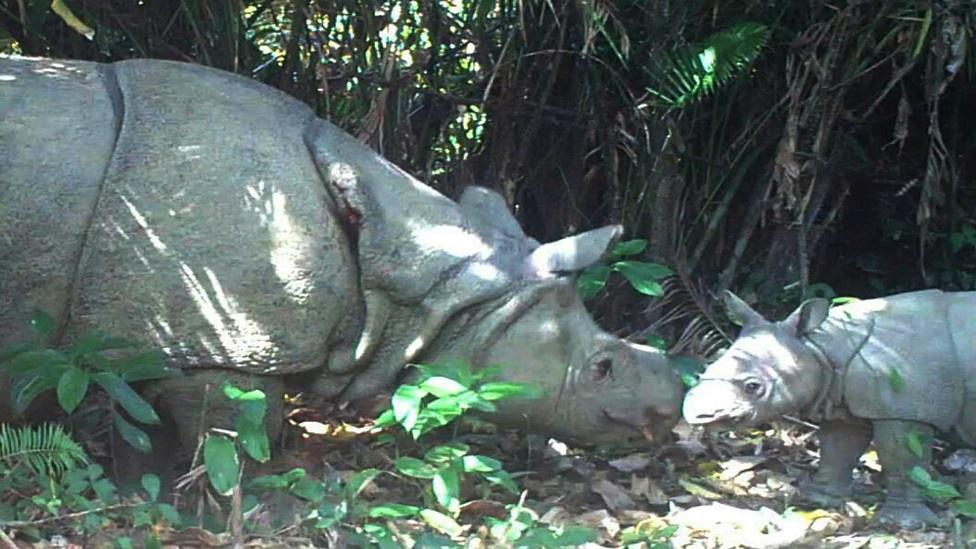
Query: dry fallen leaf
{"points": [[733, 467], [600, 520], [614, 496], [631, 463], [648, 489]]}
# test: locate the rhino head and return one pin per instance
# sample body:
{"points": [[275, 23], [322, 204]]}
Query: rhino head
{"points": [[768, 371], [595, 387]]}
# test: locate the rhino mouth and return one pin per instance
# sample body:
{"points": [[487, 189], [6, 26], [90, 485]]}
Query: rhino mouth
{"points": [[731, 416], [649, 426]]}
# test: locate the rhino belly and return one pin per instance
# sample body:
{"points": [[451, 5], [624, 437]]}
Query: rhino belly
{"points": [[57, 133], [213, 237]]}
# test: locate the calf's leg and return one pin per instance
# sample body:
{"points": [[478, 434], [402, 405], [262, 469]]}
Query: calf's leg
{"points": [[904, 505], [841, 445]]}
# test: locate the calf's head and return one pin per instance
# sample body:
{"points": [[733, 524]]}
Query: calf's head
{"points": [[768, 371]]}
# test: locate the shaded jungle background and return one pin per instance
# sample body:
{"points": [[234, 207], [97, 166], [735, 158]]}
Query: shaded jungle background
{"points": [[837, 159]]}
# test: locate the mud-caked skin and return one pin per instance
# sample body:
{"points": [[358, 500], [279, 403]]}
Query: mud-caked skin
{"points": [[885, 369], [219, 220]]}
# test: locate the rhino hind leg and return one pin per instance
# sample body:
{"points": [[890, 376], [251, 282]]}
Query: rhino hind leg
{"points": [[904, 505], [841, 445]]}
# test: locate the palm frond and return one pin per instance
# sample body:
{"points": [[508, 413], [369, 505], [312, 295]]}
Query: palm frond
{"points": [[690, 73], [47, 449]]}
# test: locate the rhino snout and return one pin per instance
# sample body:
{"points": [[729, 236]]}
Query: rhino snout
{"points": [[654, 425], [713, 402]]}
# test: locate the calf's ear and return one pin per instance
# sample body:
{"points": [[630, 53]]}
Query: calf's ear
{"points": [[739, 311], [810, 314]]}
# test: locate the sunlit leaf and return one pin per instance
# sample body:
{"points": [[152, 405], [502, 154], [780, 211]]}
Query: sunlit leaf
{"points": [[393, 511], [592, 280], [413, 467], [441, 522], [406, 404], [150, 483], [223, 465]]}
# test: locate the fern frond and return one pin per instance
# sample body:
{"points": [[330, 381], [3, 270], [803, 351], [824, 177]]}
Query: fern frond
{"points": [[47, 449], [690, 73]]}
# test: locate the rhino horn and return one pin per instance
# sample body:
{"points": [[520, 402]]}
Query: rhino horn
{"points": [[810, 314], [574, 253], [740, 312]]}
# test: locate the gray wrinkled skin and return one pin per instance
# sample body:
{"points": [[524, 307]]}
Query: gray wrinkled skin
{"points": [[219, 220], [873, 370]]}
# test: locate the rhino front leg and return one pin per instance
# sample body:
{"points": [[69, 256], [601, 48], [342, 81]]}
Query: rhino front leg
{"points": [[196, 402], [841, 445], [904, 505]]}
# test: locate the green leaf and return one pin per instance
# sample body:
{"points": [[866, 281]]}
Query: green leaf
{"points": [[254, 439], [308, 489], [964, 507], [406, 404], [576, 535], [413, 467], [446, 452], [43, 324], [503, 479], [592, 280], [497, 390], [134, 436], [144, 366], [643, 276], [393, 511], [24, 389], [131, 402], [629, 247], [223, 464], [895, 380], [480, 464], [658, 342], [359, 481], [440, 386], [150, 483], [268, 482], [72, 387], [35, 362], [441, 522], [916, 443]]}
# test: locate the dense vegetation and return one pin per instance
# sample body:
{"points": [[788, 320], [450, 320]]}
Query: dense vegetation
{"points": [[781, 149]]}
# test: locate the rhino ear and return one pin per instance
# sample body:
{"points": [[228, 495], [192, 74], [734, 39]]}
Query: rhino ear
{"points": [[574, 253], [491, 208], [739, 311], [810, 314]]}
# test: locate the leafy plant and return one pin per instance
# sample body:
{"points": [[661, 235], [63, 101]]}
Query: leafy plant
{"points": [[690, 73], [521, 529], [221, 449], [35, 369], [444, 392], [942, 492], [47, 450], [642, 276]]}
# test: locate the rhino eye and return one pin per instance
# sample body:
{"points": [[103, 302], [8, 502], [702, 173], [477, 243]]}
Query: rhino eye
{"points": [[603, 369], [753, 387]]}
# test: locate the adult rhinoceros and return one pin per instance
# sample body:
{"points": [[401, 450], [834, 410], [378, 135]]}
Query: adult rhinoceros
{"points": [[221, 221]]}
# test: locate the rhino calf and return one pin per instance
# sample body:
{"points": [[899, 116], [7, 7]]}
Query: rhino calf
{"points": [[888, 370]]}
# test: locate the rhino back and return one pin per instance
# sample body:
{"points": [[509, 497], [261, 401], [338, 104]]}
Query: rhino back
{"points": [[59, 122], [901, 359], [213, 236]]}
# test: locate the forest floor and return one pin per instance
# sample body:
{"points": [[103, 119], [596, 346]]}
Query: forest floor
{"points": [[714, 491]]}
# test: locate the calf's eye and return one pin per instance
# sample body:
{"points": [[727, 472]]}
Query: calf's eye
{"points": [[602, 369], [753, 387]]}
